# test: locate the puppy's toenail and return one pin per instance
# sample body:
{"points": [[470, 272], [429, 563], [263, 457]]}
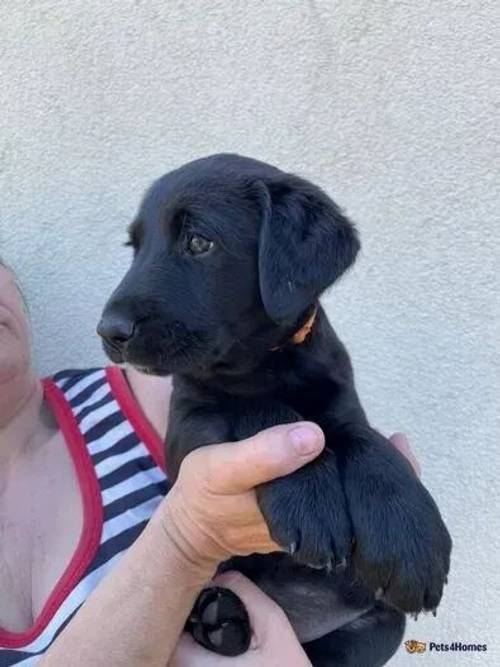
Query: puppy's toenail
{"points": [[314, 566], [341, 565]]}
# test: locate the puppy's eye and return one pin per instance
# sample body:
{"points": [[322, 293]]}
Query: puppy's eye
{"points": [[198, 245]]}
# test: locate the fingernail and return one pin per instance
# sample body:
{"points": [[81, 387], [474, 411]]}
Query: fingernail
{"points": [[305, 440]]}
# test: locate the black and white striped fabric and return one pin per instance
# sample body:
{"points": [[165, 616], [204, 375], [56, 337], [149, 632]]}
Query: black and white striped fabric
{"points": [[122, 482]]}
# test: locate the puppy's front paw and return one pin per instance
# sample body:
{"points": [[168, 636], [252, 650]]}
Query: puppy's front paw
{"points": [[306, 514], [402, 547]]}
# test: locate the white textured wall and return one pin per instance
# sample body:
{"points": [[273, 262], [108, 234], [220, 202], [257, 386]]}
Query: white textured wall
{"points": [[389, 105]]}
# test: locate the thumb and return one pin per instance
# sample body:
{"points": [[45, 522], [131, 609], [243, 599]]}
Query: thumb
{"points": [[400, 441], [275, 452]]}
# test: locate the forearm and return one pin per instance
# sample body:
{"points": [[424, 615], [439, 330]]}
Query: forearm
{"points": [[136, 615]]}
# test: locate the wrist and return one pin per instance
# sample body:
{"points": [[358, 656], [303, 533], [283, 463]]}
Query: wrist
{"points": [[184, 542]]}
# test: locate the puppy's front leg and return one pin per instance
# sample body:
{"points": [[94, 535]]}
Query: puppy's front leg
{"points": [[307, 514], [191, 427], [305, 511], [402, 546]]}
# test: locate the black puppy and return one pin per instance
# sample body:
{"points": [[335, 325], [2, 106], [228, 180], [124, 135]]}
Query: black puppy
{"points": [[230, 257]]}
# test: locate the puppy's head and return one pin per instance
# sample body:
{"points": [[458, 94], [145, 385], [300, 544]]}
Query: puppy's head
{"points": [[229, 254]]}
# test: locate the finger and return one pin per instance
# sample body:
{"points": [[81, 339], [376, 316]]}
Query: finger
{"points": [[400, 441], [259, 606], [188, 654], [239, 466]]}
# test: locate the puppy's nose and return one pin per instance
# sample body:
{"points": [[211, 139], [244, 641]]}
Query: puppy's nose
{"points": [[116, 328]]}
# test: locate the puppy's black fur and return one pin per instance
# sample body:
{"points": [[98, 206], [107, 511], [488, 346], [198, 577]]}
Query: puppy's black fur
{"points": [[230, 257]]}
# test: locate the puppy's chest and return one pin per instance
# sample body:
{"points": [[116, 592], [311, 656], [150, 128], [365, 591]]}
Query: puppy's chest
{"points": [[313, 398], [284, 393], [309, 399]]}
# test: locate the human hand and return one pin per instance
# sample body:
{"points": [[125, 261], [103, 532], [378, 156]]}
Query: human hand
{"points": [[400, 441], [273, 641], [188, 651], [211, 512]]}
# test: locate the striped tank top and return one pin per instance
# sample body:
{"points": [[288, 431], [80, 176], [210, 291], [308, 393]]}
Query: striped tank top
{"points": [[118, 458]]}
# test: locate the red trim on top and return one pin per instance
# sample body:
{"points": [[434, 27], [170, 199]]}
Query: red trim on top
{"points": [[134, 413], [90, 537]]}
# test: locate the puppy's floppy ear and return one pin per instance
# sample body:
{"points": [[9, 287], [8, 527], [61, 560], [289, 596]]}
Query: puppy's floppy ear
{"points": [[305, 244]]}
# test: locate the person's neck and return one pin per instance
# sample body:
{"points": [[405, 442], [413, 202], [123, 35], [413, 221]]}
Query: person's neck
{"points": [[21, 400], [153, 395]]}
